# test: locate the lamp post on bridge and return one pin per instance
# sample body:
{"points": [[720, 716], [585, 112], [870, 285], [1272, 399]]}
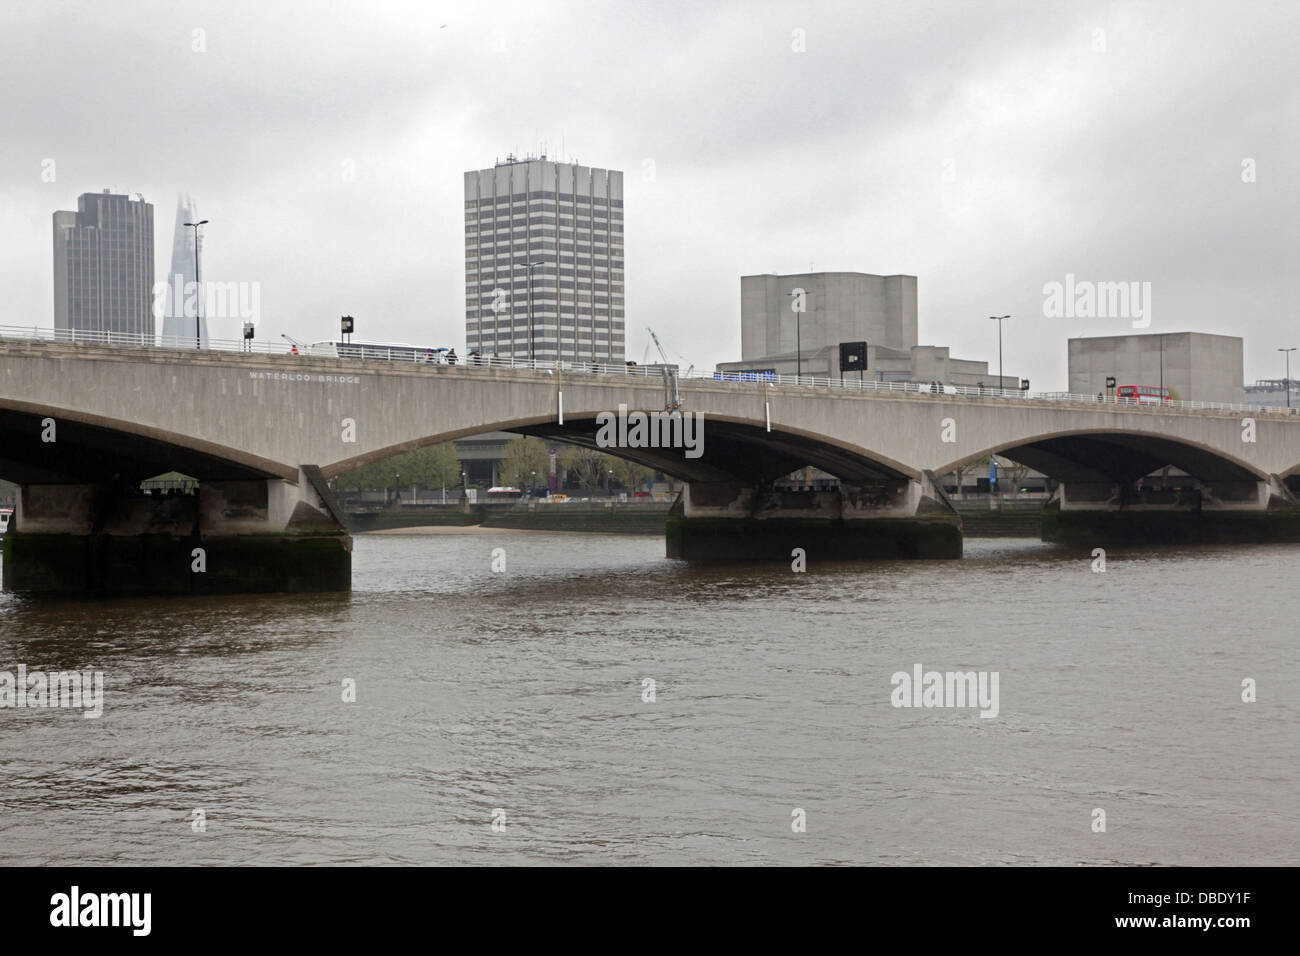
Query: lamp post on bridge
{"points": [[798, 298], [1286, 382], [198, 286], [531, 337], [998, 319]]}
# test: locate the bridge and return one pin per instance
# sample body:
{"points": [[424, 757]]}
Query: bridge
{"points": [[84, 423]]}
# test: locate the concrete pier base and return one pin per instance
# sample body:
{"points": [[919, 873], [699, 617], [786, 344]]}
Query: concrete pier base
{"points": [[1170, 527], [1258, 513], [232, 537], [163, 564], [905, 520]]}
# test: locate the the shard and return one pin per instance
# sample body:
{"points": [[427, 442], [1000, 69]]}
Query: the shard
{"points": [[179, 322]]}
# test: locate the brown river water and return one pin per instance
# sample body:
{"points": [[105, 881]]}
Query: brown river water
{"points": [[521, 697]]}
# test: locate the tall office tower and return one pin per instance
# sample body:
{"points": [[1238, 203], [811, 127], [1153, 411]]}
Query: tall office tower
{"points": [[103, 265], [181, 328], [544, 261]]}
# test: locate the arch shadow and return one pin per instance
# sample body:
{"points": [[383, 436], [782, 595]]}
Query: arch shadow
{"points": [[89, 448], [734, 449], [1115, 455]]}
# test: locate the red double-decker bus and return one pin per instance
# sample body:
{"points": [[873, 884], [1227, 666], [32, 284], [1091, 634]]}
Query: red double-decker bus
{"points": [[1143, 394]]}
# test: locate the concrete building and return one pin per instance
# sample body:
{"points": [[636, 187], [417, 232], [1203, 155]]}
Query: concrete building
{"points": [[480, 456], [103, 265], [844, 307], [544, 240], [179, 323], [836, 307], [1194, 366], [921, 363]]}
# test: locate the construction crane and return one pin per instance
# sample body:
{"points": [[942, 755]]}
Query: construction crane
{"points": [[296, 347], [661, 351], [672, 400], [655, 338]]}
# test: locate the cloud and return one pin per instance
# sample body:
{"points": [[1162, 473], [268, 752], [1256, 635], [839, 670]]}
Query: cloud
{"points": [[327, 143]]}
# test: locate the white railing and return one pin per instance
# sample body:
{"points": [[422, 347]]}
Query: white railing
{"points": [[347, 352]]}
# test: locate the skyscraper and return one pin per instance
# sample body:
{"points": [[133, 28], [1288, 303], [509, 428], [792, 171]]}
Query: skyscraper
{"points": [[103, 265], [182, 302], [559, 225]]}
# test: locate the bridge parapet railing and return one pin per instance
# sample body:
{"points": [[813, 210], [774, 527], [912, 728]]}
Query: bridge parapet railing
{"points": [[427, 357]]}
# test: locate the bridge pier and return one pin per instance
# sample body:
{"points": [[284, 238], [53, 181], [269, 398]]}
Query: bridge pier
{"points": [[232, 537], [1224, 512], [733, 521]]}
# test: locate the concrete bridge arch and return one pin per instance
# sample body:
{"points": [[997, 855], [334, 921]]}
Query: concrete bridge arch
{"points": [[1072, 453], [51, 444], [264, 432]]}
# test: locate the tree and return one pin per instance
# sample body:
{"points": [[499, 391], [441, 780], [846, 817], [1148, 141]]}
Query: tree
{"points": [[629, 474], [427, 467], [444, 466], [524, 456], [961, 471], [586, 464], [1015, 473]]}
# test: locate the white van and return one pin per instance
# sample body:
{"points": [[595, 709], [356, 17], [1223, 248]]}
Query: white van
{"points": [[324, 349]]}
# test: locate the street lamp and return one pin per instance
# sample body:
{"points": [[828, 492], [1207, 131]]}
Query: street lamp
{"points": [[798, 296], [998, 319], [397, 492], [198, 287], [1286, 383], [531, 337]]}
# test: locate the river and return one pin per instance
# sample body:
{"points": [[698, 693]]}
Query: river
{"points": [[520, 696]]}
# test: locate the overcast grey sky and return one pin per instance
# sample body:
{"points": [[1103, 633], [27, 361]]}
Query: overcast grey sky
{"points": [[987, 148]]}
